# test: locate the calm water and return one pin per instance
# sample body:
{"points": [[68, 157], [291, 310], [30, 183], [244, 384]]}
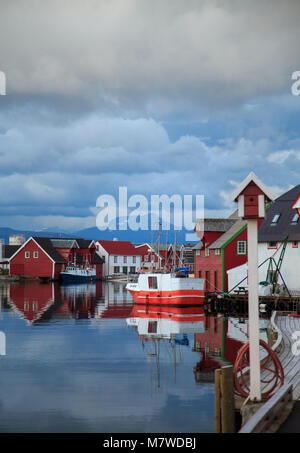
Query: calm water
{"points": [[83, 359]]}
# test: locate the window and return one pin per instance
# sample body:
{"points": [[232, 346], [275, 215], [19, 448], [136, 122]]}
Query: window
{"points": [[27, 254], [125, 269], [26, 306], [35, 254], [295, 219], [241, 247], [152, 282], [272, 245], [152, 327], [146, 258], [206, 252], [275, 219], [132, 269], [216, 280], [295, 244], [218, 252], [134, 259], [125, 259], [115, 259], [116, 269], [198, 252], [35, 306]]}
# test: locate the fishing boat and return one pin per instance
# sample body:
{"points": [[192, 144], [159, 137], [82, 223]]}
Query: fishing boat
{"points": [[75, 273], [167, 289]]}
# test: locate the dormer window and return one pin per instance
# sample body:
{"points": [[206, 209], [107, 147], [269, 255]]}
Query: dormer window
{"points": [[275, 219], [295, 219]]}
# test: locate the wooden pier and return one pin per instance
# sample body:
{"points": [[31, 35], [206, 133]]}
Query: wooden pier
{"points": [[278, 410], [238, 303]]}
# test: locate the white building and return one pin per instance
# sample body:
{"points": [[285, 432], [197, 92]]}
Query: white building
{"points": [[121, 257], [279, 239]]}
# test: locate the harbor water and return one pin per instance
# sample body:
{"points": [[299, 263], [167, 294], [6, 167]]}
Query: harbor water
{"points": [[82, 358]]}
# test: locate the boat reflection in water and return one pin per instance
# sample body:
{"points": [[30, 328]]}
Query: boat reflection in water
{"points": [[165, 333], [215, 340], [84, 358]]}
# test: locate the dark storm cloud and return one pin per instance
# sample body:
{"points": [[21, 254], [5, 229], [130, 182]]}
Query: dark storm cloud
{"points": [[105, 93]]}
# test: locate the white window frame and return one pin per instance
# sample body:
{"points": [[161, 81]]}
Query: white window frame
{"points": [[244, 252], [207, 252], [217, 252], [35, 254], [27, 254]]}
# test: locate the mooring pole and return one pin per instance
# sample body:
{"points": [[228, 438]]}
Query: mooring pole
{"points": [[253, 311]]}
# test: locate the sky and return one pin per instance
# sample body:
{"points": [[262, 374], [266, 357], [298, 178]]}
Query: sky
{"points": [[162, 97]]}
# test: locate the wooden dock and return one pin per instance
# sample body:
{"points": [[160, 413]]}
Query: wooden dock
{"points": [[278, 411], [290, 362]]}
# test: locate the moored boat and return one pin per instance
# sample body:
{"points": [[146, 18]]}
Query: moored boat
{"points": [[167, 289], [75, 273]]}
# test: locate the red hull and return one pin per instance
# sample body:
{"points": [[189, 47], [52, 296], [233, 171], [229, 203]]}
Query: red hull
{"points": [[172, 298]]}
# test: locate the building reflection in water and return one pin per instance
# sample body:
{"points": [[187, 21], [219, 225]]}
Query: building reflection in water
{"points": [[214, 341], [40, 302]]}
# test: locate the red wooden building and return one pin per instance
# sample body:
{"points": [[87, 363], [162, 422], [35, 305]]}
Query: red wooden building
{"points": [[45, 258], [220, 251], [32, 300], [223, 337], [164, 258]]}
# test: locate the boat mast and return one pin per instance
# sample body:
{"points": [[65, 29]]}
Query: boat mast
{"points": [[158, 245], [174, 254]]}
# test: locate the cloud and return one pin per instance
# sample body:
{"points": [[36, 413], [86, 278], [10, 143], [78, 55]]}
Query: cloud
{"points": [[159, 56], [160, 97], [279, 157]]}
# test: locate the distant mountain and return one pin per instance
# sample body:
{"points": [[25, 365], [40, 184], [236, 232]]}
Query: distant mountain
{"points": [[136, 237], [5, 232]]}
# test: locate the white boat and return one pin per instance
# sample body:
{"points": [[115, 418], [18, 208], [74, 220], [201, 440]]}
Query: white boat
{"points": [[167, 289]]}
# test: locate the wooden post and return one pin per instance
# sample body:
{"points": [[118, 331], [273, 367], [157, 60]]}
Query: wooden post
{"points": [[227, 400], [218, 427], [224, 400], [253, 312]]}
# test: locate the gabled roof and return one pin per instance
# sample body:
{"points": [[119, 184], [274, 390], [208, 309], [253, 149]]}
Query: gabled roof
{"points": [[9, 250], [84, 243], [119, 247], [215, 224], [236, 227], [251, 177], [64, 243], [270, 231], [47, 246]]}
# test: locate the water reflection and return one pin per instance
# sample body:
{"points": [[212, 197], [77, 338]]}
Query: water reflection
{"points": [[84, 358]]}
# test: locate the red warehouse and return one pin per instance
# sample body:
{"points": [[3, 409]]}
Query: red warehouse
{"points": [[212, 260], [46, 258]]}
